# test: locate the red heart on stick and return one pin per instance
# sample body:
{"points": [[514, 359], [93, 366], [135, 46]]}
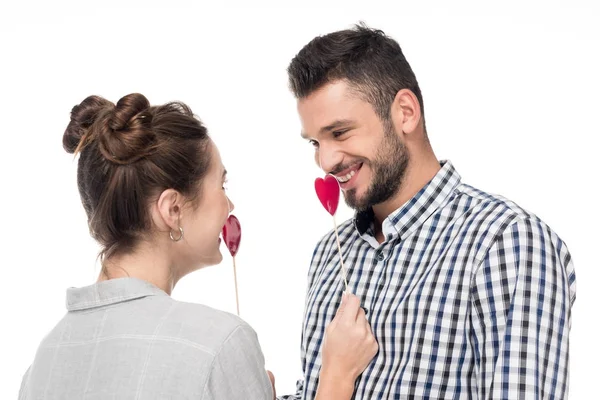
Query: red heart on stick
{"points": [[232, 234], [328, 191]]}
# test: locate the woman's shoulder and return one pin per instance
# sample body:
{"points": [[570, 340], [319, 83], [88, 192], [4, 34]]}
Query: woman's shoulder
{"points": [[205, 325]]}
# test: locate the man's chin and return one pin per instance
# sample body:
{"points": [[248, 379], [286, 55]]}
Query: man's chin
{"points": [[356, 202]]}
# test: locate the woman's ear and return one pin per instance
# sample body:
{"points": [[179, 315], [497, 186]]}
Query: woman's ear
{"points": [[169, 206]]}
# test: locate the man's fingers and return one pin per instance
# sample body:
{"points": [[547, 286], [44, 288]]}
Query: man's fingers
{"points": [[349, 308], [361, 316]]}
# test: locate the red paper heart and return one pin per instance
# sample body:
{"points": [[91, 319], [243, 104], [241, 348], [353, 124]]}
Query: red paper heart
{"points": [[328, 191], [232, 234]]}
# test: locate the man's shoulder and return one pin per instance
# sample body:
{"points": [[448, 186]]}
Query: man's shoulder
{"points": [[493, 207], [493, 216]]}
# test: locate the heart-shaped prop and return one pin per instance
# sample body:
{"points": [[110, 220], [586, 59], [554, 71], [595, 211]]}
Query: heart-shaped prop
{"points": [[232, 234], [328, 191]]}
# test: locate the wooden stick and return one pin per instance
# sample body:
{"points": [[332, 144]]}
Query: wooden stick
{"points": [[237, 300], [337, 238]]}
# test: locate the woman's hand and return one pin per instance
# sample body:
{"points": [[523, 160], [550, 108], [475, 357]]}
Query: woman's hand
{"points": [[272, 379]]}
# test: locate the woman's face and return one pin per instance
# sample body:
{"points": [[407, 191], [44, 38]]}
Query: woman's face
{"points": [[203, 224]]}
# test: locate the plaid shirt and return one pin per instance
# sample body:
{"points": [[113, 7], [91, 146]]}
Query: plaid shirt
{"points": [[469, 297]]}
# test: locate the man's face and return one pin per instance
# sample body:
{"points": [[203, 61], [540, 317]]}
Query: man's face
{"points": [[352, 143]]}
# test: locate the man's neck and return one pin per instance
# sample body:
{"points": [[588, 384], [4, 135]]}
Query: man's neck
{"points": [[418, 174]]}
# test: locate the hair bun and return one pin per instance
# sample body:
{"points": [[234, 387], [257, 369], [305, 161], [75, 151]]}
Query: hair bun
{"points": [[83, 117], [126, 109], [126, 135]]}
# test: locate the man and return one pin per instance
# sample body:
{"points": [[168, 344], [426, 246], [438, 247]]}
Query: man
{"points": [[467, 294]]}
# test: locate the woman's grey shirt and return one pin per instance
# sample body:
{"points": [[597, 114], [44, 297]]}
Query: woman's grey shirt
{"points": [[127, 339]]}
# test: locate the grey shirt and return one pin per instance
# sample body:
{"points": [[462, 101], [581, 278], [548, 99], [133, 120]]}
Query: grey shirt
{"points": [[127, 339]]}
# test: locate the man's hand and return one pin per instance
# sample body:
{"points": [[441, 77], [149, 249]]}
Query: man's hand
{"points": [[349, 345]]}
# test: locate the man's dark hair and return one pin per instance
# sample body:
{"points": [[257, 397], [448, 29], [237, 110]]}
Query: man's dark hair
{"points": [[370, 61]]}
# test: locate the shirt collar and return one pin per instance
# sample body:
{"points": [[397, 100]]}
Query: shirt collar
{"points": [[418, 209], [109, 292]]}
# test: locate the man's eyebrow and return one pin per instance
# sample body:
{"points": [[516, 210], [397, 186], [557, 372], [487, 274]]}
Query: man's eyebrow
{"points": [[335, 125], [332, 126]]}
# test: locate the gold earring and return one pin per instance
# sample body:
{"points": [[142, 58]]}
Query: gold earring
{"points": [[180, 235]]}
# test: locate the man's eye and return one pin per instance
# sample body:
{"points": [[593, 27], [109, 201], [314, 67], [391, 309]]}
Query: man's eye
{"points": [[337, 134], [313, 143]]}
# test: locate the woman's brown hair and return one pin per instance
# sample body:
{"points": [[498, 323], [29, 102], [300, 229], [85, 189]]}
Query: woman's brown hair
{"points": [[128, 154]]}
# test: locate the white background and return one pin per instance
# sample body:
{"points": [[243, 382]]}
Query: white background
{"points": [[511, 95]]}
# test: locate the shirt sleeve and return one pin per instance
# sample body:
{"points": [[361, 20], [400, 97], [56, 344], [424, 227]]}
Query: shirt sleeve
{"points": [[310, 281], [299, 392], [24, 383], [238, 370], [521, 301]]}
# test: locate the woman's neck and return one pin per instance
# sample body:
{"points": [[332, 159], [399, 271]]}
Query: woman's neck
{"points": [[147, 263]]}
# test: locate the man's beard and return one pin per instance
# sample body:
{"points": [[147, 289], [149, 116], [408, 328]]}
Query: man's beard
{"points": [[388, 166]]}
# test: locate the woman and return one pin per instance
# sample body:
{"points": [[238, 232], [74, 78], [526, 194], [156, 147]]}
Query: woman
{"points": [[151, 182]]}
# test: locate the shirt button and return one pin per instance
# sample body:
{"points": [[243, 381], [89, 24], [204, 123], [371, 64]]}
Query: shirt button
{"points": [[380, 256]]}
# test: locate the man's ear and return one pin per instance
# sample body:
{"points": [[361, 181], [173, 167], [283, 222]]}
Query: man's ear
{"points": [[405, 112]]}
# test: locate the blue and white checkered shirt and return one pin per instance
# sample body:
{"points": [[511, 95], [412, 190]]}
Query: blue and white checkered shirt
{"points": [[469, 297]]}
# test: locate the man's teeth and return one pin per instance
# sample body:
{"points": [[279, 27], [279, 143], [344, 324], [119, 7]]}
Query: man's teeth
{"points": [[346, 178]]}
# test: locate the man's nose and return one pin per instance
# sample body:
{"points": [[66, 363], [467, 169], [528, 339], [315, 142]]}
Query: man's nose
{"points": [[328, 157]]}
